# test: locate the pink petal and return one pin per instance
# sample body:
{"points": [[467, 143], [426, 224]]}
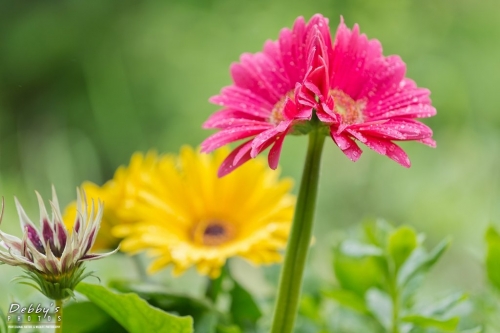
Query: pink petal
{"points": [[244, 148], [275, 152], [230, 163], [243, 100], [229, 118], [263, 139], [247, 78], [389, 149], [347, 145], [292, 51], [266, 71], [428, 142], [226, 136]]}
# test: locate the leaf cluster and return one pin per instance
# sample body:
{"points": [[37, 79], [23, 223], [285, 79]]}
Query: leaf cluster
{"points": [[380, 274]]}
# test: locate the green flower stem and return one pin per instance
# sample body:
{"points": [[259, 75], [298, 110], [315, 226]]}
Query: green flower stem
{"points": [[59, 325], [290, 284]]}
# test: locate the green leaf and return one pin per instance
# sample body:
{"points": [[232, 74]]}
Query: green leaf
{"points": [[401, 244], [449, 325], [444, 305], [348, 299], [420, 261], [377, 232], [228, 329], [206, 322], [159, 296], [474, 330], [380, 305], [134, 313], [357, 249], [96, 320], [202, 310], [244, 309], [358, 274], [493, 256]]}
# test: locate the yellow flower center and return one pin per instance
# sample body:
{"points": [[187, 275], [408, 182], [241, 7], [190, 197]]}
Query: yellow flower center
{"points": [[350, 110], [277, 115], [213, 233]]}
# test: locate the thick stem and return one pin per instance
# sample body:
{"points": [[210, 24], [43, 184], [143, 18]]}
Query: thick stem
{"points": [[290, 284], [59, 324]]}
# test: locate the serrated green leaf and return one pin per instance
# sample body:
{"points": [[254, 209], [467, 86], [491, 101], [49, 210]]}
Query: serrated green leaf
{"points": [[448, 325], [493, 256], [244, 309], [134, 313], [348, 299], [401, 244], [380, 305], [420, 261]]}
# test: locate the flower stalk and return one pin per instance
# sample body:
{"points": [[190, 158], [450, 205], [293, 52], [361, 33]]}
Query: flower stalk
{"points": [[290, 284]]}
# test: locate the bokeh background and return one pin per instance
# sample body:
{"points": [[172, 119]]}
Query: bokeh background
{"points": [[84, 84]]}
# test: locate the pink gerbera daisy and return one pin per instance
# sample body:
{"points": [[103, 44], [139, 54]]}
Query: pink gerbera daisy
{"points": [[365, 96], [356, 92], [261, 106]]}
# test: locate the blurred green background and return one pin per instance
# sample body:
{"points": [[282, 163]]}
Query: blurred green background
{"points": [[84, 84]]}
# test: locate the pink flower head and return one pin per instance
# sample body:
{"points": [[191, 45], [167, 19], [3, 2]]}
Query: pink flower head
{"points": [[365, 96], [262, 106], [354, 90]]}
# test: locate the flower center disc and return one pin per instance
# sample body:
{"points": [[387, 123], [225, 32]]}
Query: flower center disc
{"points": [[350, 110], [213, 233], [277, 114]]}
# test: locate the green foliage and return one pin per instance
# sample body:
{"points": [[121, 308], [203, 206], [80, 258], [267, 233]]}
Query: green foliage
{"points": [[420, 262], [347, 268], [96, 320], [3, 322], [244, 310], [348, 299], [133, 313], [242, 314], [401, 244], [203, 311], [493, 256], [379, 275], [448, 325]]}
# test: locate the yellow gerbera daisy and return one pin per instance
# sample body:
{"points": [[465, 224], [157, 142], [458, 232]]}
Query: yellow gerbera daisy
{"points": [[187, 216], [117, 195]]}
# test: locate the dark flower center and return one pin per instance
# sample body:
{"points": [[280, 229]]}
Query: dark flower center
{"points": [[213, 233], [350, 110], [214, 230]]}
